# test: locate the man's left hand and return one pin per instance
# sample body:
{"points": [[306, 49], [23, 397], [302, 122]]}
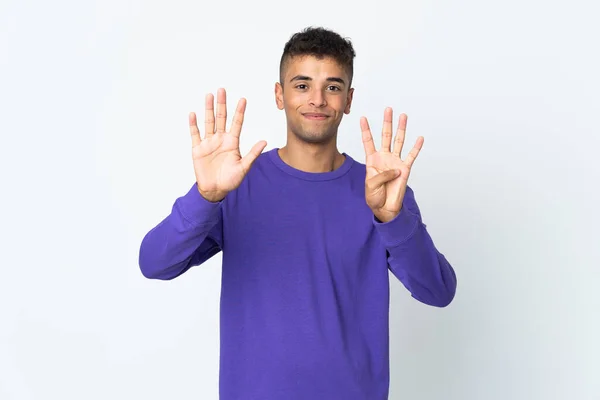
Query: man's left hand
{"points": [[387, 173]]}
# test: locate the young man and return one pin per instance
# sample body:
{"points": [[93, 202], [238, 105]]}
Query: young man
{"points": [[308, 235]]}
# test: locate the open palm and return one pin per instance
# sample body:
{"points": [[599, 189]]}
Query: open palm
{"points": [[387, 172], [218, 164]]}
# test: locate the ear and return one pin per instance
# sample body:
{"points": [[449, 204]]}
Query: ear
{"points": [[279, 95], [349, 101]]}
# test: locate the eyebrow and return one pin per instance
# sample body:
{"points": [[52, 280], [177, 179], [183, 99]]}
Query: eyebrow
{"points": [[308, 78]]}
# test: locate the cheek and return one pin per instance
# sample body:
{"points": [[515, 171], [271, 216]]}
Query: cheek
{"points": [[337, 101], [340, 106], [289, 102]]}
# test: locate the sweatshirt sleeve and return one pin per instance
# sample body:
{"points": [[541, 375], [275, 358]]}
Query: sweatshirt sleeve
{"points": [[191, 234], [413, 257]]}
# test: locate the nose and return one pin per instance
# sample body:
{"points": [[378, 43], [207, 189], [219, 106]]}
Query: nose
{"points": [[317, 99]]}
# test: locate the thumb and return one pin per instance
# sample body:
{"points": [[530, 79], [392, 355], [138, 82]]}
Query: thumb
{"points": [[381, 178], [252, 155]]}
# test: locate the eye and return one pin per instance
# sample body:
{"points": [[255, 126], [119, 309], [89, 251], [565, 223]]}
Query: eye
{"points": [[334, 88], [301, 86]]}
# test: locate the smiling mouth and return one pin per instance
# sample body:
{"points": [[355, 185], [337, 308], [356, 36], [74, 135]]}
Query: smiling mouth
{"points": [[316, 117]]}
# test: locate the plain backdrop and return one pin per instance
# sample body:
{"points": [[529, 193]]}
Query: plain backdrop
{"points": [[95, 148]]}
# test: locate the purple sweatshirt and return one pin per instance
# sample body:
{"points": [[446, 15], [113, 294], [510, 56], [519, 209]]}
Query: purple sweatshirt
{"points": [[304, 311]]}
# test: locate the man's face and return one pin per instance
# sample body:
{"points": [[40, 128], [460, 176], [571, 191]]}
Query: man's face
{"points": [[315, 95]]}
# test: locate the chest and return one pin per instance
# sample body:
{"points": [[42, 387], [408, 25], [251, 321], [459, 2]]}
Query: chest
{"points": [[288, 220], [297, 240]]}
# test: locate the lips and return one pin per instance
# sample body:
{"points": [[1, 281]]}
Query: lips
{"points": [[315, 116]]}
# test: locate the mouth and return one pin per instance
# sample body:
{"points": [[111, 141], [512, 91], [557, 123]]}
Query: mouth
{"points": [[315, 116]]}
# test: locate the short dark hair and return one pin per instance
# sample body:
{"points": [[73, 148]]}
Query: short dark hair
{"points": [[320, 43]]}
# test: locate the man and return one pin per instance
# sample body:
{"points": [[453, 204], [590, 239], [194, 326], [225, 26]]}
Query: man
{"points": [[308, 235]]}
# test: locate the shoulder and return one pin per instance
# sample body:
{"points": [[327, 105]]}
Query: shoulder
{"points": [[261, 166], [256, 177], [358, 170]]}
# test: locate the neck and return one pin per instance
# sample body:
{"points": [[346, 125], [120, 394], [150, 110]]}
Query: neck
{"points": [[309, 157]]}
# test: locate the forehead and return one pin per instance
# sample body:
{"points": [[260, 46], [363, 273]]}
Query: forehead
{"points": [[314, 67]]}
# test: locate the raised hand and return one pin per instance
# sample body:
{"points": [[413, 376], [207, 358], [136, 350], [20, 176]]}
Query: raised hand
{"points": [[218, 164], [387, 172]]}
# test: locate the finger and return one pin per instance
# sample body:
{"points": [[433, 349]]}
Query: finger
{"points": [[221, 110], [381, 178], [386, 132], [252, 155], [400, 135], [194, 131], [367, 137], [209, 115], [412, 155], [238, 118]]}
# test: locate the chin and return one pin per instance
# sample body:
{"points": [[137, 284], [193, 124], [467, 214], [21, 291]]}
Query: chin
{"points": [[315, 138]]}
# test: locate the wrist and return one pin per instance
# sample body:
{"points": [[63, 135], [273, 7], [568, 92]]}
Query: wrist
{"points": [[384, 216], [211, 196]]}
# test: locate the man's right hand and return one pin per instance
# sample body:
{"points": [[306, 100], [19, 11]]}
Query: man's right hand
{"points": [[218, 164]]}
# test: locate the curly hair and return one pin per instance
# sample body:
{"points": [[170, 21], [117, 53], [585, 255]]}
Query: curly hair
{"points": [[320, 43]]}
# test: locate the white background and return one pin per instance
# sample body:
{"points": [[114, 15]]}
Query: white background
{"points": [[95, 149]]}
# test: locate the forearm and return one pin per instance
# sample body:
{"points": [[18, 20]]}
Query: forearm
{"points": [[422, 269], [188, 236], [413, 257]]}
